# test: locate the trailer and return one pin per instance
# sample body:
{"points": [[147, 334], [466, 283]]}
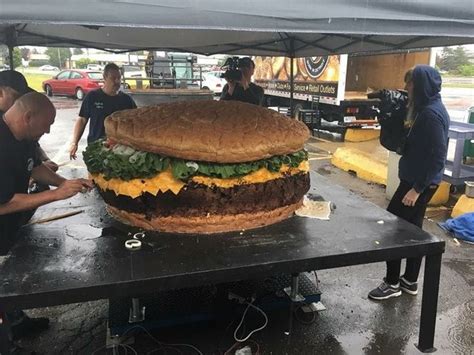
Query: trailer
{"points": [[169, 77], [171, 70], [335, 86]]}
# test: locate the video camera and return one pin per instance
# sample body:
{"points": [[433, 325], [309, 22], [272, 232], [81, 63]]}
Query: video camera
{"points": [[392, 103], [391, 116], [232, 67]]}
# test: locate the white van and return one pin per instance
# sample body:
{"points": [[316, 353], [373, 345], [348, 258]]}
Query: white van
{"points": [[97, 67]]}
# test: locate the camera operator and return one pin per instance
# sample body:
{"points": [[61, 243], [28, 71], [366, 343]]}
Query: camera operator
{"points": [[239, 86]]}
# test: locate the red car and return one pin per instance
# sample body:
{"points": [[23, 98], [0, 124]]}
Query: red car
{"points": [[73, 83]]}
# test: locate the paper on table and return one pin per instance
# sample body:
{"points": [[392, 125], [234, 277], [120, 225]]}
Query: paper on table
{"points": [[314, 209]]}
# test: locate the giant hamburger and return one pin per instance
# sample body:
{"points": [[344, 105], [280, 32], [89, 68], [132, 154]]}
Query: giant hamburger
{"points": [[200, 167]]}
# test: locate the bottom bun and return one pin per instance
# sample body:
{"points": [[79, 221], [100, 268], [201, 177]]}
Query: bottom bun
{"points": [[206, 225]]}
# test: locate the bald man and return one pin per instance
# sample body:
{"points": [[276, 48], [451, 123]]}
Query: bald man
{"points": [[12, 86], [22, 125]]}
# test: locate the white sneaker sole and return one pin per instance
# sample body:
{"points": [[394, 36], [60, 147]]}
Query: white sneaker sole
{"points": [[396, 294], [410, 292]]}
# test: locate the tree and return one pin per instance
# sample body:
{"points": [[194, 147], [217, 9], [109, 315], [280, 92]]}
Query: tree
{"points": [[453, 58], [16, 58], [461, 56], [4, 53], [467, 70], [58, 56], [77, 51], [446, 60], [25, 53], [82, 63], [6, 57]]}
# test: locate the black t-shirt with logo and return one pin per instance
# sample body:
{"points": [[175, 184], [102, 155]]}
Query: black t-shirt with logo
{"points": [[97, 105], [17, 160]]}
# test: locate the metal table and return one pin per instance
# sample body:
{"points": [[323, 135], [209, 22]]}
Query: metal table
{"points": [[456, 172], [83, 257]]}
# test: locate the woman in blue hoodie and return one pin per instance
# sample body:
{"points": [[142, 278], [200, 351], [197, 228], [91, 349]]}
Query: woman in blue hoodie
{"points": [[420, 169]]}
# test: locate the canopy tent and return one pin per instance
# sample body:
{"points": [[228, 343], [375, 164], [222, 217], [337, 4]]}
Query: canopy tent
{"points": [[277, 27]]}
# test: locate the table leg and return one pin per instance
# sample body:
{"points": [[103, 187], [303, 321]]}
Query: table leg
{"points": [[137, 313], [429, 303], [457, 161], [294, 299], [5, 341]]}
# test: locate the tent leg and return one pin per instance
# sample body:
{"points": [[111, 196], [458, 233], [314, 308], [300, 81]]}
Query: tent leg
{"points": [[10, 42], [292, 105], [10, 55], [292, 74]]}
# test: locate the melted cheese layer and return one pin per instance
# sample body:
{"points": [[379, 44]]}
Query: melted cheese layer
{"points": [[165, 181]]}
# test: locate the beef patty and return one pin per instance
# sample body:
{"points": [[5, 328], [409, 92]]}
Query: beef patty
{"points": [[196, 200]]}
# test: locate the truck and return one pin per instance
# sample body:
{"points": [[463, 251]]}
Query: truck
{"points": [[168, 77], [171, 70], [133, 76], [337, 85]]}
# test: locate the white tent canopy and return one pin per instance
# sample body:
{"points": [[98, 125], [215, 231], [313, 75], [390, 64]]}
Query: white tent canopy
{"points": [[277, 27]]}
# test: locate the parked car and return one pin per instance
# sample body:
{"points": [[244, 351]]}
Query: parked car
{"points": [[48, 68], [216, 73], [73, 83], [95, 67], [213, 82]]}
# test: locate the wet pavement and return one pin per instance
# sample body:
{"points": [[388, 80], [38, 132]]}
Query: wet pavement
{"points": [[458, 101], [352, 324]]}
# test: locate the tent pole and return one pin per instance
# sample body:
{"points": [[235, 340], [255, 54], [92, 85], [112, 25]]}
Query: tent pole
{"points": [[292, 59], [10, 42], [292, 106], [10, 56]]}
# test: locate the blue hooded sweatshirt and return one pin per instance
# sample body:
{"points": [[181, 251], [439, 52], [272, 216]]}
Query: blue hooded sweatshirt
{"points": [[424, 155]]}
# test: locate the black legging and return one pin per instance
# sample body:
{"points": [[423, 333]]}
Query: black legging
{"points": [[414, 215]]}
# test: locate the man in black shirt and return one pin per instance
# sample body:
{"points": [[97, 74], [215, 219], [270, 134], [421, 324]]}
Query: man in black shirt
{"points": [[97, 105], [20, 128], [244, 90], [12, 86]]}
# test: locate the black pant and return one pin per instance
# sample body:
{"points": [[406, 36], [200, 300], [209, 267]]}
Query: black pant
{"points": [[414, 215]]}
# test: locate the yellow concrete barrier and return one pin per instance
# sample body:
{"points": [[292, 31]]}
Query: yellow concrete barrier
{"points": [[361, 135], [363, 164], [441, 195], [369, 168], [464, 205]]}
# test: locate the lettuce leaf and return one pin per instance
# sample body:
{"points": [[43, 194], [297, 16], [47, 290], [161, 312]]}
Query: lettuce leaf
{"points": [[125, 163]]}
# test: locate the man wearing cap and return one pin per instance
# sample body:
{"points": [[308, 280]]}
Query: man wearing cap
{"points": [[12, 86], [243, 90]]}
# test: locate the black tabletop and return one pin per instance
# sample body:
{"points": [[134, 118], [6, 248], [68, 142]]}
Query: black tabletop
{"points": [[83, 257]]}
